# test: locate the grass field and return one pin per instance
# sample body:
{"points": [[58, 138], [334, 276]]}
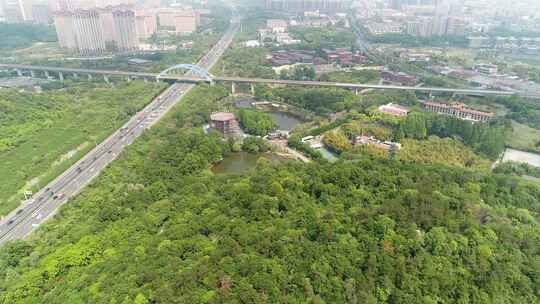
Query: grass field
{"points": [[43, 134], [524, 138]]}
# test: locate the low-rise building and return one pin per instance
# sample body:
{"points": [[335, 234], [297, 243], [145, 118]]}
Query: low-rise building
{"points": [[479, 42], [459, 110], [486, 69], [277, 25], [252, 43], [225, 122], [381, 28], [400, 77], [372, 141], [394, 110]]}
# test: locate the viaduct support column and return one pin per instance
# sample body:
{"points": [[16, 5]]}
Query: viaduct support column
{"points": [[19, 72], [32, 73], [75, 76], [89, 77], [128, 79], [233, 88], [252, 87], [47, 75], [61, 76], [105, 78]]}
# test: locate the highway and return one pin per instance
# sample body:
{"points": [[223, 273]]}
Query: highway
{"points": [[44, 204]]}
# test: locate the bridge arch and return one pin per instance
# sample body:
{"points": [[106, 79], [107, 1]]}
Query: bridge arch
{"points": [[195, 69]]}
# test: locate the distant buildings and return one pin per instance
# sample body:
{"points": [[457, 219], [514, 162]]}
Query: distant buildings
{"points": [[277, 25], [522, 45], [382, 28], [458, 110], [394, 110], [280, 58], [301, 6], [398, 77], [343, 56], [97, 31], [252, 43], [479, 42], [486, 69], [276, 30], [14, 11], [146, 24], [182, 21]]}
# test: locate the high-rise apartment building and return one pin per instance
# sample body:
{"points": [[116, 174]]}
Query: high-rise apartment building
{"points": [[89, 32], [13, 10], [181, 20], [300, 6], [146, 25], [125, 30], [97, 31], [41, 14]]}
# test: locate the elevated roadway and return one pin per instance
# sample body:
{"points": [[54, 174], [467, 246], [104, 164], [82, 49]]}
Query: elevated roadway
{"points": [[190, 78]]}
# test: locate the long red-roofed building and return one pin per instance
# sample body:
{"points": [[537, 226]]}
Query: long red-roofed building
{"points": [[459, 110]]}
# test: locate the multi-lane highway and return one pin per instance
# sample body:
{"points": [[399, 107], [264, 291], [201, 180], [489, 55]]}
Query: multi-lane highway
{"points": [[46, 202]]}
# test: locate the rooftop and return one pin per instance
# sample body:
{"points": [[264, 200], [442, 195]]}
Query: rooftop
{"points": [[222, 116]]}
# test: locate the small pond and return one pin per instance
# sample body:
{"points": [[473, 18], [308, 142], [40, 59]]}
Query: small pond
{"points": [[328, 155], [284, 120], [239, 162]]}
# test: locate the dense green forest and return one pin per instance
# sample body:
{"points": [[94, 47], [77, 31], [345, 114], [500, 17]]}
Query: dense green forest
{"points": [[21, 35], [42, 134], [158, 227]]}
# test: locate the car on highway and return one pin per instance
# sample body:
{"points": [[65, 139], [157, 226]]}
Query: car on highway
{"points": [[59, 196]]}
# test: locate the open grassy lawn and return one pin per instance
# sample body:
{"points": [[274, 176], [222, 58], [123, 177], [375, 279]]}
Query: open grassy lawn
{"points": [[524, 138], [43, 134]]}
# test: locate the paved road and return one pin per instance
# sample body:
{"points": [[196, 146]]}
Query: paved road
{"points": [[206, 62], [46, 202], [364, 86]]}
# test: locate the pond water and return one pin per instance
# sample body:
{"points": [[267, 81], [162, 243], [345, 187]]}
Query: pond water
{"points": [[328, 155], [284, 120], [522, 157], [239, 162]]}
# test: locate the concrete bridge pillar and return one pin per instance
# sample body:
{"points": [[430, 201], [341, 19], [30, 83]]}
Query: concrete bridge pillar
{"points": [[75, 76], [19, 72], [89, 77], [128, 79], [61, 76], [47, 75], [32, 73], [356, 92], [252, 88], [145, 80], [105, 78], [233, 88]]}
